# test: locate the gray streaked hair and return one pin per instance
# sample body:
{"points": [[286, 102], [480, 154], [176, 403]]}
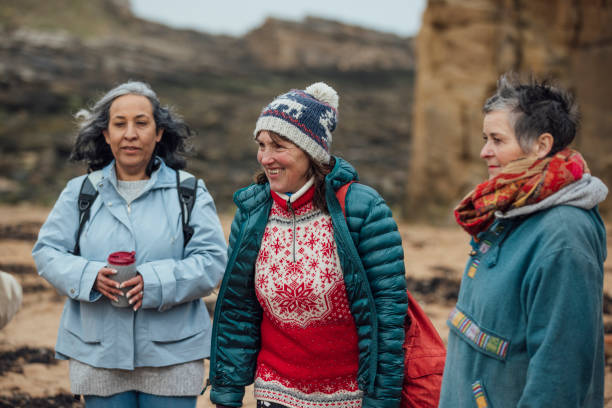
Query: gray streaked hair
{"points": [[91, 147], [535, 108]]}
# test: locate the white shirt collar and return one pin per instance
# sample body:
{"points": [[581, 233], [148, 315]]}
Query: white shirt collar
{"points": [[293, 197]]}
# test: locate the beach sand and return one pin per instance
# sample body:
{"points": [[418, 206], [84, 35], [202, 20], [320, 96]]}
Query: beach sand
{"points": [[31, 377]]}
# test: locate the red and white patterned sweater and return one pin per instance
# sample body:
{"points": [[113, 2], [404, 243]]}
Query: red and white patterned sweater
{"points": [[309, 354]]}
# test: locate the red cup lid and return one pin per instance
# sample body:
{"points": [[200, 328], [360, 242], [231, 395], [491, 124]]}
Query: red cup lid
{"points": [[122, 258]]}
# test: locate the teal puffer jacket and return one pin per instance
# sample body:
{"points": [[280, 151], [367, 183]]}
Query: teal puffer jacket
{"points": [[375, 286]]}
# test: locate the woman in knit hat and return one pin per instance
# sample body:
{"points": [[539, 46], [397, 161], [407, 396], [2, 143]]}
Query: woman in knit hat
{"points": [[312, 305], [527, 330]]}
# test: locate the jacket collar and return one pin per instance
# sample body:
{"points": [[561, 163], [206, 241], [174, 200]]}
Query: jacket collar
{"points": [[163, 177], [585, 193], [341, 174]]}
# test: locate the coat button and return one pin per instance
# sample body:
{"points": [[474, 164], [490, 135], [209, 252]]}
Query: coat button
{"points": [[72, 291]]}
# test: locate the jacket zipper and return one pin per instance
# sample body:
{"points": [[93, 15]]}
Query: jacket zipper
{"points": [[347, 242], [293, 226], [220, 296]]}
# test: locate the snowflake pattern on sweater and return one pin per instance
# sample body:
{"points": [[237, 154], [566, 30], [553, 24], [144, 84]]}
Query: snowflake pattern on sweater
{"points": [[309, 353], [302, 290]]}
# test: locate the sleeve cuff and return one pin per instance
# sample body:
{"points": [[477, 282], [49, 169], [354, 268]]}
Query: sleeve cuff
{"points": [[227, 396], [85, 292], [152, 292]]}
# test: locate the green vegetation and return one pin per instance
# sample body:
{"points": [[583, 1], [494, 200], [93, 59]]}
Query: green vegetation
{"points": [[84, 19]]}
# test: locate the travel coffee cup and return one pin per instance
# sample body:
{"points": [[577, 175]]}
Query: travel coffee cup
{"points": [[123, 263]]}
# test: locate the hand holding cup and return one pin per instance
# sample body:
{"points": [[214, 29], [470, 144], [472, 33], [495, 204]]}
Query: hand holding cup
{"points": [[125, 276], [107, 286], [135, 294]]}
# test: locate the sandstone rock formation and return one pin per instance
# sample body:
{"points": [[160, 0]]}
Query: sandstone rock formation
{"points": [[464, 46]]}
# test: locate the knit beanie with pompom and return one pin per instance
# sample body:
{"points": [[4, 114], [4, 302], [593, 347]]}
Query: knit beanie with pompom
{"points": [[307, 118]]}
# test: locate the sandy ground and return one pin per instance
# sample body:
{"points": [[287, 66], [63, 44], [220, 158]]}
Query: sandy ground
{"points": [[31, 377]]}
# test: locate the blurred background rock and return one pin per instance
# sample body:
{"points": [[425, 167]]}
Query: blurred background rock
{"points": [[58, 56], [410, 116], [462, 48]]}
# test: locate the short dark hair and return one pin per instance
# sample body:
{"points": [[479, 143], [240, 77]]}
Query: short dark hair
{"points": [[536, 108], [316, 169], [91, 147]]}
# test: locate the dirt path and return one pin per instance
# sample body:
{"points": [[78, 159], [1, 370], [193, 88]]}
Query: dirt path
{"points": [[31, 377]]}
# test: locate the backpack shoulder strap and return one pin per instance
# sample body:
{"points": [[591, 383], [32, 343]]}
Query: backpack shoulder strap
{"points": [[341, 196], [186, 186], [87, 195]]}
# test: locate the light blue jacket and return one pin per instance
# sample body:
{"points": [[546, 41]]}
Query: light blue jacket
{"points": [[173, 325], [527, 330]]}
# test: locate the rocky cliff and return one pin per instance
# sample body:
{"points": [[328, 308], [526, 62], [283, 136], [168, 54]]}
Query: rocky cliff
{"points": [[56, 57], [325, 44], [463, 47]]}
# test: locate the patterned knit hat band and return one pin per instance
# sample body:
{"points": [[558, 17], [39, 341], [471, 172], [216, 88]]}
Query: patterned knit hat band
{"points": [[306, 118]]}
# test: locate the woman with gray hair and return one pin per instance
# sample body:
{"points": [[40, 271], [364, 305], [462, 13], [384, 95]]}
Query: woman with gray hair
{"points": [[527, 330], [133, 341]]}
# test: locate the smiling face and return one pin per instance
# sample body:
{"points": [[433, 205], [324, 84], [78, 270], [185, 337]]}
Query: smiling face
{"points": [[132, 135], [285, 164], [501, 145]]}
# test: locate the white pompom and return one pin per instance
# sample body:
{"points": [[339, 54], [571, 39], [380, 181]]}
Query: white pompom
{"points": [[324, 93]]}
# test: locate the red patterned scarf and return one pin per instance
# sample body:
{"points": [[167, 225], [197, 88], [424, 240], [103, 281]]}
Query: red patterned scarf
{"points": [[522, 182]]}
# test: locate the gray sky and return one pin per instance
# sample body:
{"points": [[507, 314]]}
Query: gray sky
{"points": [[401, 17]]}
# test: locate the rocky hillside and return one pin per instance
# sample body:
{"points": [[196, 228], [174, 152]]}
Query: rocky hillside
{"points": [[56, 57], [463, 47], [323, 44]]}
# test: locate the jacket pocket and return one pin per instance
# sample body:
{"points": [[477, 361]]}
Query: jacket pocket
{"points": [[480, 396], [481, 339], [422, 381], [178, 323], [85, 321]]}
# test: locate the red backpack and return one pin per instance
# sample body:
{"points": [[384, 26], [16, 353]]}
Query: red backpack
{"points": [[424, 350]]}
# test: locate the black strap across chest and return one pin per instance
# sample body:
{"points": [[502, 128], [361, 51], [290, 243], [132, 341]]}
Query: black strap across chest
{"points": [[186, 190]]}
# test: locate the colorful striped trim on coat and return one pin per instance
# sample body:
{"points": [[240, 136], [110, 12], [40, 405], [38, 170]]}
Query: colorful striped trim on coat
{"points": [[473, 268], [490, 344], [479, 395]]}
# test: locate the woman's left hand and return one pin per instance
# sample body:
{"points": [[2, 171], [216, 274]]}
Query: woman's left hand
{"points": [[136, 294]]}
